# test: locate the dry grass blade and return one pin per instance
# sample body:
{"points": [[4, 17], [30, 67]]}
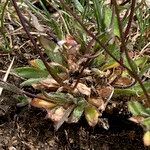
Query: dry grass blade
{"points": [[7, 73]]}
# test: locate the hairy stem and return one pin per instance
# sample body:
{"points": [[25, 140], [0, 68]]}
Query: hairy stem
{"points": [[15, 89]]}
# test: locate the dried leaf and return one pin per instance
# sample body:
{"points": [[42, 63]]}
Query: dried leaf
{"points": [[83, 89], [106, 92], [70, 41], [147, 3], [123, 81], [72, 52], [59, 115], [56, 114], [72, 63], [50, 84], [146, 138], [91, 115], [136, 119], [36, 23], [47, 83], [7, 74], [97, 102], [36, 102], [37, 63], [115, 74]]}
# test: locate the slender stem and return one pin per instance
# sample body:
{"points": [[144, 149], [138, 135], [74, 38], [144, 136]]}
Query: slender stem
{"points": [[36, 48], [123, 46], [130, 18], [15, 89]]}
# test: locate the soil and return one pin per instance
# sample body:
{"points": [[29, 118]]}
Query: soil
{"points": [[26, 128]]}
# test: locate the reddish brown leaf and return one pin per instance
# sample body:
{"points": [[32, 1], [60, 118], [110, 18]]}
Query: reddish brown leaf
{"points": [[70, 41], [97, 102], [106, 92], [124, 81]]}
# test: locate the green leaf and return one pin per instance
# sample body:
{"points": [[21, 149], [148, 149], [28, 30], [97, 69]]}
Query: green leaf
{"points": [[141, 61], [58, 68], [49, 46], [91, 115], [109, 65], [23, 100], [99, 15], [78, 6], [136, 108], [114, 50], [61, 98], [144, 69], [98, 61], [58, 29], [31, 81], [30, 72], [133, 91], [77, 113], [146, 123], [131, 63], [37, 63], [108, 18], [148, 111]]}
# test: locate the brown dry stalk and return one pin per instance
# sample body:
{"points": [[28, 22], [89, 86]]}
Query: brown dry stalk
{"points": [[130, 18]]}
